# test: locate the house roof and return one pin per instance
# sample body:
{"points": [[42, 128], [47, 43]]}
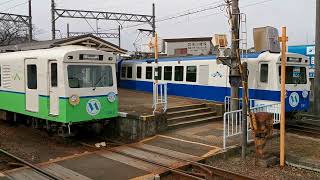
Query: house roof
{"points": [[84, 40], [188, 39]]}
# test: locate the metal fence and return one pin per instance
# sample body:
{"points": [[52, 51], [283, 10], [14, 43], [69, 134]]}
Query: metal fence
{"points": [[228, 99], [160, 96], [232, 121]]}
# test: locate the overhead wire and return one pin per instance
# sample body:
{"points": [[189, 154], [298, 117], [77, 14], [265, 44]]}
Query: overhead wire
{"points": [[3, 3], [16, 6], [178, 15], [223, 11]]}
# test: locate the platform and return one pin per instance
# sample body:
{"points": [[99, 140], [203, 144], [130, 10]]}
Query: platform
{"points": [[136, 119], [140, 103]]}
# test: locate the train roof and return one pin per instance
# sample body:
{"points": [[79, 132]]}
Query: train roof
{"points": [[186, 58], [55, 52], [266, 55]]}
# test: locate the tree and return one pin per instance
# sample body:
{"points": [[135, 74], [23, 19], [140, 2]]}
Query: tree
{"points": [[12, 33]]}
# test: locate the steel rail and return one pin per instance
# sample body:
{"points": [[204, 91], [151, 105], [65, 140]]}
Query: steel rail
{"points": [[216, 171], [180, 172], [315, 131], [43, 172]]}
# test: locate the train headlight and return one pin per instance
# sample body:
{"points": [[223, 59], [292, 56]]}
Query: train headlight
{"points": [[111, 97], [74, 100]]}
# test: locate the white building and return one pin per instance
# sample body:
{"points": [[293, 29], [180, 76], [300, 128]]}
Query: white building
{"points": [[188, 46]]}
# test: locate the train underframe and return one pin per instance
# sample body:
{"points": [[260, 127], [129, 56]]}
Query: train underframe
{"points": [[93, 127]]}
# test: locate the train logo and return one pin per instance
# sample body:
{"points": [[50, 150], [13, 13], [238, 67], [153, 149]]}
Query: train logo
{"points": [[294, 99], [93, 107], [217, 74]]}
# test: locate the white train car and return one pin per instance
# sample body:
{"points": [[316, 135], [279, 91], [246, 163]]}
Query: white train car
{"points": [[203, 77], [61, 85]]}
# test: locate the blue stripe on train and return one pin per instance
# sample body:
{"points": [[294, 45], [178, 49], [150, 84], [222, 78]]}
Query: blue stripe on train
{"points": [[214, 93]]}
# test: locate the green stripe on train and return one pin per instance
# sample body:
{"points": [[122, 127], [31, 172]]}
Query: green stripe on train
{"points": [[15, 102]]}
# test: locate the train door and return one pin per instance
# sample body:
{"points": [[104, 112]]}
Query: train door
{"points": [[53, 88], [31, 85], [204, 74]]}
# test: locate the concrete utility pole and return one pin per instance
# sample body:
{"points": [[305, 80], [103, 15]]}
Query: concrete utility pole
{"points": [[119, 39], [235, 53], [68, 30], [316, 89], [153, 20], [53, 20], [30, 22]]}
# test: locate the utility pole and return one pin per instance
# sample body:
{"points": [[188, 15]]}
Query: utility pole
{"points": [[316, 89], [153, 20], [245, 109], [283, 40], [97, 26], [68, 30], [235, 54], [119, 32], [53, 20], [30, 21]]}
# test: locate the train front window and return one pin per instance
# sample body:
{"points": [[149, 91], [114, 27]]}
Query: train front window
{"points": [[295, 75], [86, 76]]}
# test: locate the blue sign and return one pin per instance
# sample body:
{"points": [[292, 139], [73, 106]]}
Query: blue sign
{"points": [[306, 50]]}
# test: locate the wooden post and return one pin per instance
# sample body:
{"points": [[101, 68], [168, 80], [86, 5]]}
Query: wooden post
{"points": [[283, 40]]}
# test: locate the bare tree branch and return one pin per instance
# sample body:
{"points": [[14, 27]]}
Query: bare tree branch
{"points": [[12, 33]]}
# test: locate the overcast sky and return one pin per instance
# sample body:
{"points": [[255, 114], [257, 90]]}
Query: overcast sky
{"points": [[297, 15]]}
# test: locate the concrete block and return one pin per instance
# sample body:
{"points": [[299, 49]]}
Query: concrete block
{"points": [[267, 161]]}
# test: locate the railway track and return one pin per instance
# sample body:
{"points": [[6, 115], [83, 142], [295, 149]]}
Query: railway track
{"points": [[33, 167], [308, 126], [198, 170]]}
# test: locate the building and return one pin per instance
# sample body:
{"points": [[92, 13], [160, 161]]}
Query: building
{"points": [[188, 46], [83, 40]]}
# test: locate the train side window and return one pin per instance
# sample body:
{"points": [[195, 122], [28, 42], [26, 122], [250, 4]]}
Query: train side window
{"points": [[129, 72], [32, 76], [54, 75], [159, 73], [167, 73], [139, 72], [264, 71], [149, 72], [191, 73], [123, 72], [178, 73]]}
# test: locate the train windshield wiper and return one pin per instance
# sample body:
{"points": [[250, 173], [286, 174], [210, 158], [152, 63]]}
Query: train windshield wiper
{"points": [[97, 82]]}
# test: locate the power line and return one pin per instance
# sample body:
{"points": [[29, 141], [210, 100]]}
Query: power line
{"points": [[6, 2], [217, 13], [188, 10], [190, 13], [181, 14], [16, 6]]}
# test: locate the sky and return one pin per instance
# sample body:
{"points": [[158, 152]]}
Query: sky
{"points": [[297, 15]]}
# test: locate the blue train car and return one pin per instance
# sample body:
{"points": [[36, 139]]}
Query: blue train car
{"points": [[203, 77]]}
